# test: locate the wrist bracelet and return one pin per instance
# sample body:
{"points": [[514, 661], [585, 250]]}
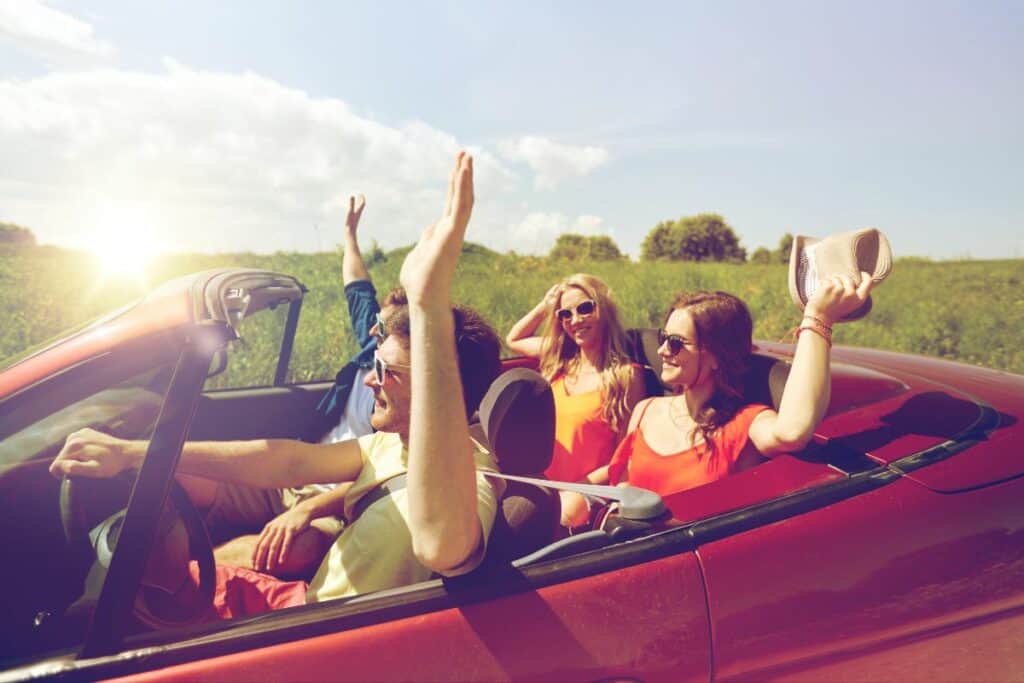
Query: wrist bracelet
{"points": [[808, 316], [824, 334]]}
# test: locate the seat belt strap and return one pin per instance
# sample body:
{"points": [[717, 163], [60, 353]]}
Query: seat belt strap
{"points": [[382, 490], [634, 503]]}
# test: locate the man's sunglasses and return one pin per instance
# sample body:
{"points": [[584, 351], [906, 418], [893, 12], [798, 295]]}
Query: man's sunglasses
{"points": [[583, 308], [381, 368], [674, 341], [379, 328]]}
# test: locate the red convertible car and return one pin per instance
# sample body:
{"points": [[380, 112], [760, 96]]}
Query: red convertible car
{"points": [[890, 549]]}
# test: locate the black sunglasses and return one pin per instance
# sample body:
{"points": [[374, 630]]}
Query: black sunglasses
{"points": [[674, 341], [381, 367], [582, 309]]}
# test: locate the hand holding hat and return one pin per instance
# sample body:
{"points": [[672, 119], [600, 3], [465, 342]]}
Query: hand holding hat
{"points": [[838, 297], [839, 264]]}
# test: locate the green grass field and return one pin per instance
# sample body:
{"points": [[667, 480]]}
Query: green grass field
{"points": [[970, 311]]}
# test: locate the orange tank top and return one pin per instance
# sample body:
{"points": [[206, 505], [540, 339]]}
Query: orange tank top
{"points": [[675, 472], [584, 441]]}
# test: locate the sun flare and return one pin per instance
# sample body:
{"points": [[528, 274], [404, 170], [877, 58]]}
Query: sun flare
{"points": [[124, 244]]}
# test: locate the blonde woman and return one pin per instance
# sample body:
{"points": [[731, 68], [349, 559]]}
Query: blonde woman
{"points": [[582, 353]]}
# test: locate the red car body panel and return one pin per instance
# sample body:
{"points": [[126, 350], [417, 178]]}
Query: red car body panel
{"points": [[1001, 459], [648, 621], [777, 477], [788, 598]]}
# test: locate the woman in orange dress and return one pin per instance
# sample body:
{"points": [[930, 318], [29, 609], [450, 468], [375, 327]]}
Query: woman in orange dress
{"points": [[706, 431], [582, 353]]}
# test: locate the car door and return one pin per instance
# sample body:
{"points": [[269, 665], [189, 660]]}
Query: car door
{"points": [[878, 576], [638, 613], [256, 395]]}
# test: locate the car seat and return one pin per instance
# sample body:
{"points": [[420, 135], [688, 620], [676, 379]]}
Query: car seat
{"points": [[517, 424]]}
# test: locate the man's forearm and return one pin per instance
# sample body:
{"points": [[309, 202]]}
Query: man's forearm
{"points": [[442, 478], [263, 463], [327, 504], [352, 265]]}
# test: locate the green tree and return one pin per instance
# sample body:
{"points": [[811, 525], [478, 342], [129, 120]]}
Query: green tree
{"points": [[16, 234], [576, 247], [661, 243], [785, 246], [704, 237], [763, 255]]}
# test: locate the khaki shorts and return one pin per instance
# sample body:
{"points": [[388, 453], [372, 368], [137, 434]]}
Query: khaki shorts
{"points": [[239, 510]]}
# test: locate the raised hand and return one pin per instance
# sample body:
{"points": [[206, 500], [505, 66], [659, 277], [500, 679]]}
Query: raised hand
{"points": [[277, 538], [551, 296], [89, 453], [429, 268], [356, 204], [838, 295]]}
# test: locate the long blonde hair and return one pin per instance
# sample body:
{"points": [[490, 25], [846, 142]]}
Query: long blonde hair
{"points": [[560, 354]]}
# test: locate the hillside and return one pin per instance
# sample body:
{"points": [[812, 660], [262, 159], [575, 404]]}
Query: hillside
{"points": [[971, 311]]}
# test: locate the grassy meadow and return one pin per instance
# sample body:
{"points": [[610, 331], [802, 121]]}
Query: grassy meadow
{"points": [[970, 311]]}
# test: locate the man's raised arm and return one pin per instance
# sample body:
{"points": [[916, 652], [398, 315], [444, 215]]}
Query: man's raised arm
{"points": [[442, 488], [352, 265]]}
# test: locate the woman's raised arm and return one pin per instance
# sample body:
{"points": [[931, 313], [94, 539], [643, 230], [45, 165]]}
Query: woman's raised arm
{"points": [[521, 338], [806, 394]]}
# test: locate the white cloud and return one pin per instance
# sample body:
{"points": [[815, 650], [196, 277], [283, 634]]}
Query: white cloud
{"points": [[218, 162], [553, 162], [57, 36], [536, 232]]}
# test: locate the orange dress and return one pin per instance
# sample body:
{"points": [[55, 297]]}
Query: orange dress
{"points": [[584, 441], [675, 472]]}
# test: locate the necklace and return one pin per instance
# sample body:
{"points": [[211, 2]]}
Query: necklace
{"points": [[577, 373], [679, 415]]}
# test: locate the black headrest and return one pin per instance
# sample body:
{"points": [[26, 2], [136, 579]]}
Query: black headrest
{"points": [[517, 415], [642, 347]]}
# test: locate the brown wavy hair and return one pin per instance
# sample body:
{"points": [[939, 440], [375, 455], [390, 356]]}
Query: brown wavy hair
{"points": [[560, 354], [725, 329], [477, 347]]}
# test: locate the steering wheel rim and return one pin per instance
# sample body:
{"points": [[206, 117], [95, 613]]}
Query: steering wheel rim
{"points": [[154, 605]]}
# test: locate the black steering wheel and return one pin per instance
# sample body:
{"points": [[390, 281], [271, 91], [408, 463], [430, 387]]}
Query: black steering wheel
{"points": [[166, 595]]}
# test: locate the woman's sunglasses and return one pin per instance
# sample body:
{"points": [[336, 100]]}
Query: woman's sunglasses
{"points": [[381, 368], [674, 341], [582, 309]]}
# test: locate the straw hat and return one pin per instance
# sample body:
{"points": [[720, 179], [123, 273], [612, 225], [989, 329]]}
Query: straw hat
{"points": [[845, 253]]}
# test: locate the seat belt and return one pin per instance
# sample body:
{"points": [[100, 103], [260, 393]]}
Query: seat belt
{"points": [[381, 490], [634, 503]]}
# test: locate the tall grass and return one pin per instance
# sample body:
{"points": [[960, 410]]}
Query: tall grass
{"points": [[970, 311]]}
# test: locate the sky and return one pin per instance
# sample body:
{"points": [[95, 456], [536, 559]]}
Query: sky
{"points": [[245, 126]]}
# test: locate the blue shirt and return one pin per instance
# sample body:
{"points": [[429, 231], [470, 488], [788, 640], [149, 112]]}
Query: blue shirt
{"points": [[362, 312]]}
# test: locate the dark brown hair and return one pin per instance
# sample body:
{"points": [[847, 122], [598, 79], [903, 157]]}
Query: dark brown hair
{"points": [[396, 297], [724, 329], [477, 346]]}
